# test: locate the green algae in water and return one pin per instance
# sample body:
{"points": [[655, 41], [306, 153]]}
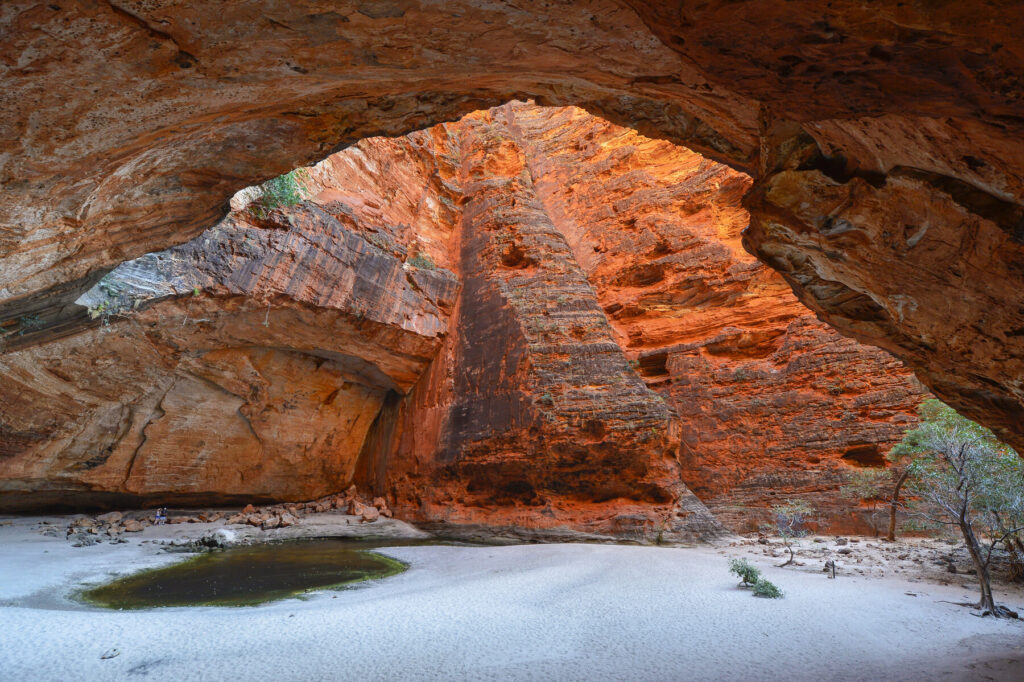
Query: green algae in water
{"points": [[246, 576]]}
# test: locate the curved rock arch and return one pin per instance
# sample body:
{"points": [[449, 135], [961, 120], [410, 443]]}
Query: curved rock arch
{"points": [[884, 138]]}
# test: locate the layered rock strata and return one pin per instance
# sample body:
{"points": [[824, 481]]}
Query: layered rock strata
{"points": [[247, 364], [531, 318], [538, 420], [771, 402], [878, 134]]}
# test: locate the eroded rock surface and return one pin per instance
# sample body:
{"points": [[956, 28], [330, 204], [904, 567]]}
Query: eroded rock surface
{"points": [[884, 137], [530, 318], [771, 402], [247, 364]]}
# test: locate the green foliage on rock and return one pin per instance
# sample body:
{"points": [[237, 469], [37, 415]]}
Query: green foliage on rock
{"points": [[422, 261], [284, 190]]}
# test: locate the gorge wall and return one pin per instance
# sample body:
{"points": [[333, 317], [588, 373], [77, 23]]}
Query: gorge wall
{"points": [[883, 138], [529, 318]]}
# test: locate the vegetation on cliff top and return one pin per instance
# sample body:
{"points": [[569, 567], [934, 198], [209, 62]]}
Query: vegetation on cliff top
{"points": [[284, 190]]}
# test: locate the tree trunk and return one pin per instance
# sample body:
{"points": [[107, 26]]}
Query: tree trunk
{"points": [[986, 603], [894, 505], [790, 560], [1016, 550]]}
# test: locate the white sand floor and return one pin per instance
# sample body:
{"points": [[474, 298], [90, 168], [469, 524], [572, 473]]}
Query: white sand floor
{"points": [[537, 612]]}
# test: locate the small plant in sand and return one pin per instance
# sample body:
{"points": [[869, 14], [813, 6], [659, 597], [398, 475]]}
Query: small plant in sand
{"points": [[748, 575], [791, 523], [767, 589]]}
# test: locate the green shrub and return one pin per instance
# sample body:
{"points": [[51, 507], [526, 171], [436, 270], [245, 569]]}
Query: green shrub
{"points": [[767, 589], [422, 261], [284, 190], [747, 574]]}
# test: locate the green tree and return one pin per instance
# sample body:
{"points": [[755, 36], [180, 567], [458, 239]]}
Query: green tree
{"points": [[960, 474], [791, 519], [878, 485]]}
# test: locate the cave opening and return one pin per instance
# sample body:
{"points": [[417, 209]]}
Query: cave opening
{"points": [[449, 311], [528, 298]]}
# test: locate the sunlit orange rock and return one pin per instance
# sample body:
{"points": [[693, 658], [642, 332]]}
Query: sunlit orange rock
{"points": [[125, 127], [530, 319], [771, 402]]}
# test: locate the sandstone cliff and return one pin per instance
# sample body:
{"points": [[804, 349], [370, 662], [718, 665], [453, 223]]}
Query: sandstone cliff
{"points": [[530, 318], [247, 364], [883, 138]]}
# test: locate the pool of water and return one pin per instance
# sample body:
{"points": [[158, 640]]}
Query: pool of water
{"points": [[245, 576]]}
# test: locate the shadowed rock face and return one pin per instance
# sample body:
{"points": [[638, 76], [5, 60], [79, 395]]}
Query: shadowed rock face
{"points": [[248, 363], [883, 137], [529, 318]]}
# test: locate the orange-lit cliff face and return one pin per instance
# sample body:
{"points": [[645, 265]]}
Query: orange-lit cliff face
{"points": [[528, 318], [771, 402], [768, 402], [883, 138]]}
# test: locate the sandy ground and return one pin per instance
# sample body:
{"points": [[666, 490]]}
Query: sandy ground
{"points": [[531, 612]]}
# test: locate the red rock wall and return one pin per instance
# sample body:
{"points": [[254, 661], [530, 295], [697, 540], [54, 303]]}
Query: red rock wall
{"points": [[531, 318], [883, 138], [540, 423], [771, 402]]}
